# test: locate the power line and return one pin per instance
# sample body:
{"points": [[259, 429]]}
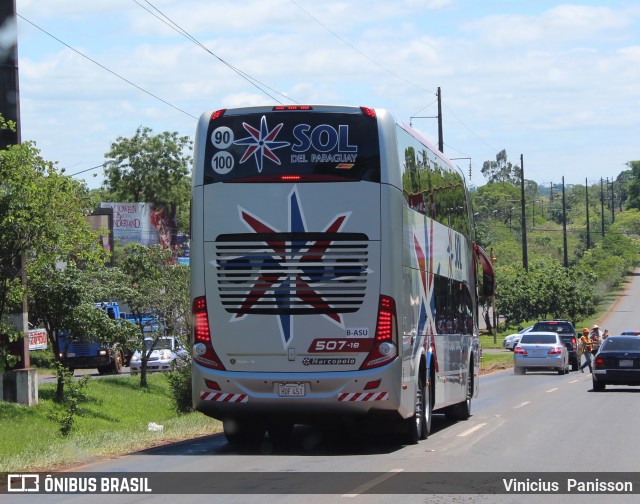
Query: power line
{"points": [[346, 42], [174, 26], [470, 130], [105, 68], [88, 169]]}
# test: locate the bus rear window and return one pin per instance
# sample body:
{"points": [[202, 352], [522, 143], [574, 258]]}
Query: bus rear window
{"points": [[292, 146]]}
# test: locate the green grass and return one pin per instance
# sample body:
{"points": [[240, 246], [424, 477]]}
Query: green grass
{"points": [[496, 361], [112, 421]]}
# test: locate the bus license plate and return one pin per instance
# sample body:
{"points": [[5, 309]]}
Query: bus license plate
{"points": [[625, 363], [291, 390]]}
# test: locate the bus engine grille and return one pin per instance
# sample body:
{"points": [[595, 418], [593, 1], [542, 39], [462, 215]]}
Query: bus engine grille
{"points": [[291, 273]]}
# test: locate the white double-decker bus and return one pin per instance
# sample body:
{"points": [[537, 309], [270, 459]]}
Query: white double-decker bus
{"points": [[333, 273]]}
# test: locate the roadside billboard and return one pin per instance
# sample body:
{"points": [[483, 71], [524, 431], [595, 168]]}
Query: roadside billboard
{"points": [[144, 223]]}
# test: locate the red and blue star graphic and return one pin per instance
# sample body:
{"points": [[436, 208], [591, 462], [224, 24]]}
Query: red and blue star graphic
{"points": [[288, 273], [261, 143], [427, 300]]}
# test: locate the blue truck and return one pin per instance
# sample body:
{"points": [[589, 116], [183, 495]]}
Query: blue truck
{"points": [[106, 358]]}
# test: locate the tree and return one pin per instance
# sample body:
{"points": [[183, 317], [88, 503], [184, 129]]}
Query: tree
{"points": [[546, 290], [157, 293], [62, 300], [150, 168], [633, 186], [41, 220], [501, 170]]}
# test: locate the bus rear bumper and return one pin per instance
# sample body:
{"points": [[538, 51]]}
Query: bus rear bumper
{"points": [[301, 395]]}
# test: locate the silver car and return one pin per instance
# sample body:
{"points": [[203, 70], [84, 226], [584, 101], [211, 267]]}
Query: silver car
{"points": [[166, 355], [540, 350], [512, 340]]}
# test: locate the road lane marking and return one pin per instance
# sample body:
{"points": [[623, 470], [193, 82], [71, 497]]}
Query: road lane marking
{"points": [[471, 430], [552, 390], [574, 381], [521, 404], [370, 484]]}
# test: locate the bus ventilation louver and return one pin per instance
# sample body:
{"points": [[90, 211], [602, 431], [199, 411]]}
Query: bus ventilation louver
{"points": [[292, 273]]}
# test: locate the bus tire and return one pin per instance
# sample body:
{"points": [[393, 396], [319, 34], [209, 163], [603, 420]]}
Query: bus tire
{"points": [[416, 425], [462, 410], [428, 411]]}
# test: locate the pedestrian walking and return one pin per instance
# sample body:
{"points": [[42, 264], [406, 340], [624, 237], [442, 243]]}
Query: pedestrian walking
{"points": [[586, 343], [595, 338]]}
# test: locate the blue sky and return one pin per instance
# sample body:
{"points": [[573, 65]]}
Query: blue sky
{"points": [[556, 82]]}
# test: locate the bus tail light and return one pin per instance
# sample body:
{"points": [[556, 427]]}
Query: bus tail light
{"points": [[218, 114], [203, 352], [369, 112], [385, 344], [290, 108]]}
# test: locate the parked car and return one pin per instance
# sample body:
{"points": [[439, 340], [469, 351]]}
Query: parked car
{"points": [[512, 340], [167, 354], [541, 350], [568, 333], [617, 362]]}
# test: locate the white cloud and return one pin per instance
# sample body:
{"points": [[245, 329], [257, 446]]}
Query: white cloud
{"points": [[510, 79]]}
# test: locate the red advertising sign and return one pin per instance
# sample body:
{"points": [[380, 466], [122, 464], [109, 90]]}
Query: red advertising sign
{"points": [[37, 339]]}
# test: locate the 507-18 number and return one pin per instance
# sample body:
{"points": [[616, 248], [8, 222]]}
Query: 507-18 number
{"points": [[340, 345]]}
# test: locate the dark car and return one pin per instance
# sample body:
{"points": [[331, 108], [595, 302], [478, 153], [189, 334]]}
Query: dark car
{"points": [[568, 334], [617, 362]]}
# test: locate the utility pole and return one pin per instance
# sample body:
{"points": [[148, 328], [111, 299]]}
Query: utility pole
{"points": [[551, 201], [10, 110], [613, 210], [602, 205], [586, 192], [439, 118], [493, 302], [9, 93], [19, 384], [564, 226], [440, 139], [525, 259]]}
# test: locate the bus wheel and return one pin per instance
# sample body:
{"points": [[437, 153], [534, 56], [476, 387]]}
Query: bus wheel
{"points": [[416, 425], [428, 411], [243, 432], [462, 410]]}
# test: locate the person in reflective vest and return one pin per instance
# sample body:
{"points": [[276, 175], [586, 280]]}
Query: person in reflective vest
{"points": [[586, 344]]}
